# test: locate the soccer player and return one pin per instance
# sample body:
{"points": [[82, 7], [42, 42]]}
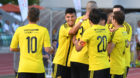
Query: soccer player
{"points": [[128, 29], [62, 57], [79, 60], [117, 46], [31, 38], [96, 38]]}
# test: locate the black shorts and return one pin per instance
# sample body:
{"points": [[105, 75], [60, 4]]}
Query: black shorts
{"points": [[60, 71], [104, 73], [116, 76], [79, 70], [31, 75], [138, 46]]}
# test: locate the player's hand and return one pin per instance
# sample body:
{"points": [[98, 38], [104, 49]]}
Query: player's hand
{"points": [[85, 18], [112, 30], [75, 42], [82, 43]]}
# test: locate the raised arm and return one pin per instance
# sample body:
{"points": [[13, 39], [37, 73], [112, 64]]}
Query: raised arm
{"points": [[76, 27]]}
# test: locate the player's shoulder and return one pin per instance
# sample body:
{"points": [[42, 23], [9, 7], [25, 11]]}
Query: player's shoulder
{"points": [[64, 26], [127, 24], [90, 30], [42, 28]]}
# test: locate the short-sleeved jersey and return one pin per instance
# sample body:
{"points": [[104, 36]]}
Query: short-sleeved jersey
{"points": [[96, 38], [128, 29], [63, 53], [117, 56], [109, 33], [82, 56], [31, 38]]}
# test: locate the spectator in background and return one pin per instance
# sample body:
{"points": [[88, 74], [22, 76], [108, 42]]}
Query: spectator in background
{"points": [[6, 27], [15, 25], [137, 36], [46, 57], [0, 22], [54, 43]]}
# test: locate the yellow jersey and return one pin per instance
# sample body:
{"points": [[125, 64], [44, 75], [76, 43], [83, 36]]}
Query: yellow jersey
{"points": [[128, 29], [63, 53], [117, 56], [31, 38], [82, 56], [96, 38]]}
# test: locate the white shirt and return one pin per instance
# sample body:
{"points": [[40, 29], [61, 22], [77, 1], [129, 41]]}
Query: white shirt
{"points": [[6, 27], [15, 26], [138, 33]]}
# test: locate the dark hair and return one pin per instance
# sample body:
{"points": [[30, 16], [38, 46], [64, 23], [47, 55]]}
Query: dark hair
{"points": [[104, 16], [54, 40], [70, 10], [119, 6], [33, 14], [119, 17], [94, 16]]}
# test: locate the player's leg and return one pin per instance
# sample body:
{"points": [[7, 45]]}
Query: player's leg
{"points": [[100, 73], [84, 72], [56, 70], [74, 70], [68, 72], [59, 71]]}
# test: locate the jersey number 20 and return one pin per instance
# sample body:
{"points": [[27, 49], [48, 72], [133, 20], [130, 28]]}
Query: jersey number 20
{"points": [[103, 40], [30, 44]]}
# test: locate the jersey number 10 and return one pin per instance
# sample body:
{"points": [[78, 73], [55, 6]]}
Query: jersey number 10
{"points": [[30, 44]]}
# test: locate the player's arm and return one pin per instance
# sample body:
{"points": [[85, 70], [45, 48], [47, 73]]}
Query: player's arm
{"points": [[47, 43], [76, 27], [115, 39], [79, 45], [15, 42], [50, 50], [110, 47], [15, 49]]}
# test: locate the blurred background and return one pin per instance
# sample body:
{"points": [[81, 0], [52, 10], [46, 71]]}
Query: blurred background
{"points": [[51, 17]]}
